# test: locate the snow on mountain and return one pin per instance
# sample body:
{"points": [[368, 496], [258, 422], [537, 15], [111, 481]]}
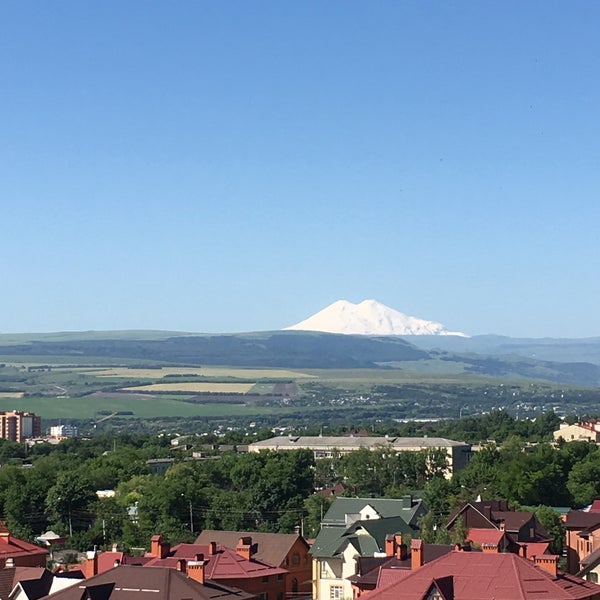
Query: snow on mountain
{"points": [[369, 318]]}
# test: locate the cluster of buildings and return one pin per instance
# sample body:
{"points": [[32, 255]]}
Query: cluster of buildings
{"points": [[17, 426], [22, 426], [366, 547]]}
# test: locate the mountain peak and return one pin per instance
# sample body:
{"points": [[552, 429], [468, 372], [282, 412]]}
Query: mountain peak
{"points": [[369, 317]]}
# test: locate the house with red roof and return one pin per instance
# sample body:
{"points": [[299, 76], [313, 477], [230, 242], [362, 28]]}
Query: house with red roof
{"points": [[396, 563], [19, 553], [516, 531], [290, 551], [460, 575], [218, 564]]}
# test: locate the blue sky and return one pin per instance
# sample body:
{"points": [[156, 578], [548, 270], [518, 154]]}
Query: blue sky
{"points": [[239, 165]]}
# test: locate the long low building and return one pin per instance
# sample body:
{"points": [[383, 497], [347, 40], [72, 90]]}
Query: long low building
{"points": [[458, 453]]}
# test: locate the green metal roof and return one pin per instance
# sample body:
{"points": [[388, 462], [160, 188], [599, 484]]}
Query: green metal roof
{"points": [[366, 536]]}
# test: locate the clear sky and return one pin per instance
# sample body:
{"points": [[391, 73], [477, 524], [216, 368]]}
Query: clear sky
{"points": [[219, 166]]}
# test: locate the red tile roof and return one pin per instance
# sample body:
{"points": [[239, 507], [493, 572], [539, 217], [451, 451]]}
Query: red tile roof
{"points": [[224, 564], [480, 535], [488, 576], [12, 547]]}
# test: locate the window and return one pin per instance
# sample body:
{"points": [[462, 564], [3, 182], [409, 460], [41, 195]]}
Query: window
{"points": [[336, 592], [295, 558], [265, 579], [593, 577], [280, 577]]}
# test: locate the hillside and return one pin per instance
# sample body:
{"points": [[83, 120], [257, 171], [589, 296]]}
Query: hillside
{"points": [[302, 350]]}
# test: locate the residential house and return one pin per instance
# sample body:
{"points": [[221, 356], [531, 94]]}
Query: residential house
{"points": [[353, 528], [126, 582], [19, 553], [582, 536], [32, 583], [588, 431], [290, 551], [461, 575], [221, 565], [398, 558], [524, 534]]}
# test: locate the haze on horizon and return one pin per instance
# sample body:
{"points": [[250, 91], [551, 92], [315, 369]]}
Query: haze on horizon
{"points": [[222, 167]]}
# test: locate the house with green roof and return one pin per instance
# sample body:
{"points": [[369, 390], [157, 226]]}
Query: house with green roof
{"points": [[355, 528]]}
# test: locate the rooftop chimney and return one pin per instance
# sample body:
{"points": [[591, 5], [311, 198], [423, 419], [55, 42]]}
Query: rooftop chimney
{"points": [[212, 548], [390, 545], [244, 547], [158, 548], [416, 554], [523, 550], [91, 564], [401, 549], [181, 566], [195, 570], [548, 562], [487, 512]]}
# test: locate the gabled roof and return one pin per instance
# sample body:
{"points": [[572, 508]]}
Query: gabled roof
{"points": [[407, 508], [332, 540], [487, 576], [126, 582], [271, 548], [36, 588]]}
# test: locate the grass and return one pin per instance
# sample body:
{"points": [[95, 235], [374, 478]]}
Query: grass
{"points": [[216, 372], [142, 408], [194, 387]]}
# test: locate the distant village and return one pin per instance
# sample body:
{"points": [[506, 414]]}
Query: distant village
{"points": [[363, 546]]}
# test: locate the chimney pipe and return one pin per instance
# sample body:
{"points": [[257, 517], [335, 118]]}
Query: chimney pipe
{"points": [[195, 570], [91, 564], [548, 562], [416, 554]]}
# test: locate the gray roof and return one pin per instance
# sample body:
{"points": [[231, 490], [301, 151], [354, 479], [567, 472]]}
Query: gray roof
{"points": [[271, 548], [349, 442]]}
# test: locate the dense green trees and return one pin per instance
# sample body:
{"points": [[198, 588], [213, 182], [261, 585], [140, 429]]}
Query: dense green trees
{"points": [[56, 486]]}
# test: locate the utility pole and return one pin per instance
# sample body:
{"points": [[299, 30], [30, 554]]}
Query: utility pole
{"points": [[191, 518]]}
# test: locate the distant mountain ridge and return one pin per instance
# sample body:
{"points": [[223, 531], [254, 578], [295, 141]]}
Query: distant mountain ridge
{"points": [[369, 317]]}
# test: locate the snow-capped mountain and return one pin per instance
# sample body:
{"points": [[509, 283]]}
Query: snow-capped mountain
{"points": [[369, 318]]}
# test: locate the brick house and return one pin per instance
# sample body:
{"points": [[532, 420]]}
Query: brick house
{"points": [[288, 551], [582, 536]]}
